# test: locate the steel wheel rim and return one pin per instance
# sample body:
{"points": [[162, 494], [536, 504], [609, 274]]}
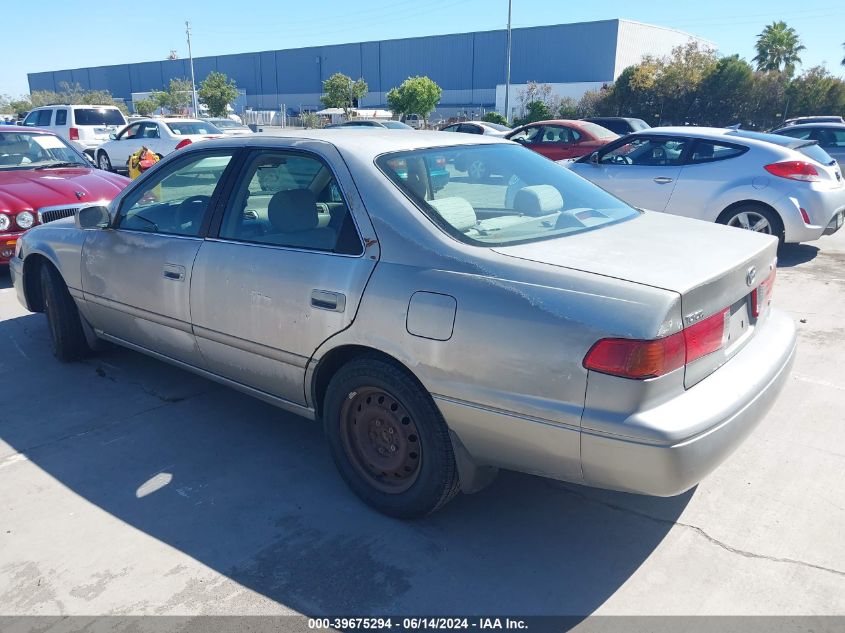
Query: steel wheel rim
{"points": [[104, 162], [477, 169], [751, 221], [381, 440]]}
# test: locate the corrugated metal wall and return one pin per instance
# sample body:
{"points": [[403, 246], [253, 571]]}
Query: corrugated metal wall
{"points": [[467, 66]]}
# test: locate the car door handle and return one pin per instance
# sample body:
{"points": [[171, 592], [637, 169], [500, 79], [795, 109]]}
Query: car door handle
{"points": [[662, 180], [327, 300], [174, 272]]}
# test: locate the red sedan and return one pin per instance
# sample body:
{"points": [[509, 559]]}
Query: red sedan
{"points": [[562, 138], [43, 178]]}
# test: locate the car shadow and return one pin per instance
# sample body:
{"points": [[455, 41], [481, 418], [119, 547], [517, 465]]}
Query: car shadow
{"points": [[790, 255], [5, 279], [252, 493]]}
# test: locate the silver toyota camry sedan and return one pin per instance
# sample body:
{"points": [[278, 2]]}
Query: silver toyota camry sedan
{"points": [[439, 328]]}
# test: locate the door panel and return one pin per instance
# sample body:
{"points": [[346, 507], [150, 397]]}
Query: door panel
{"points": [[268, 291], [643, 171], [136, 277]]}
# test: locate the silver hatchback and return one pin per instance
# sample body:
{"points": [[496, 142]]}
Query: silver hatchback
{"points": [[439, 332]]}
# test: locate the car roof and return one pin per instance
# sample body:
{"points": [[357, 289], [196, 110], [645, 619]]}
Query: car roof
{"points": [[21, 128], [368, 144], [803, 126], [728, 134]]}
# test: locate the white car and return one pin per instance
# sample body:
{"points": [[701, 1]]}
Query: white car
{"points": [[161, 136], [478, 127], [786, 187], [85, 126], [230, 127]]}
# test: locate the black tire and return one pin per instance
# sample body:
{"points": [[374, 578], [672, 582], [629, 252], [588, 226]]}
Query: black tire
{"points": [[435, 478], [104, 162], [66, 336], [753, 210]]}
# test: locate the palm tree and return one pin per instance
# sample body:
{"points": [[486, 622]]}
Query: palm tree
{"points": [[777, 48]]}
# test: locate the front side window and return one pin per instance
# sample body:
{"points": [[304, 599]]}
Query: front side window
{"points": [[526, 198], [830, 137], [527, 136], [130, 132], [31, 119], [710, 151], [175, 201], [649, 152], [290, 199]]}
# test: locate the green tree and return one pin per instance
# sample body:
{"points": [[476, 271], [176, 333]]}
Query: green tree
{"points": [[340, 91], [494, 117], [568, 108], [766, 102], [176, 98], [778, 48], [217, 91], [595, 103], [416, 95], [145, 107], [816, 90], [723, 93], [843, 59], [534, 111]]}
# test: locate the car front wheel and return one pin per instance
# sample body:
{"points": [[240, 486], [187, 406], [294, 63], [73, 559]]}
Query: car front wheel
{"points": [[103, 161], [388, 439], [66, 335]]}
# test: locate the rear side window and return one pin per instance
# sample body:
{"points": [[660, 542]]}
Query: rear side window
{"points": [[180, 128], [710, 151], [61, 117], [803, 133], [98, 116], [830, 137]]}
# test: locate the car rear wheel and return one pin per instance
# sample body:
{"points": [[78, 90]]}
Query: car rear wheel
{"points": [[103, 161], [66, 335], [388, 439], [753, 217]]}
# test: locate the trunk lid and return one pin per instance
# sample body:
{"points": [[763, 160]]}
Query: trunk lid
{"points": [[711, 266]]}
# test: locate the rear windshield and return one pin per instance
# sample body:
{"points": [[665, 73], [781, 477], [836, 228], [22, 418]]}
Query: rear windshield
{"points": [[181, 128], [225, 123], [814, 151], [523, 197], [497, 126], [598, 131], [396, 125], [98, 116]]}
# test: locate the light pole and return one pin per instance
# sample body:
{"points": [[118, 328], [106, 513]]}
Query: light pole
{"points": [[508, 68], [191, 60]]}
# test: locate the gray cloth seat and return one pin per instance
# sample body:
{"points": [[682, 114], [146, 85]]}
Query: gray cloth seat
{"points": [[295, 221]]}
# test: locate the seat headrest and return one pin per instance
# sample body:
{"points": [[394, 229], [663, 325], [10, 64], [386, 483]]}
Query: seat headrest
{"points": [[538, 200], [456, 211], [293, 210]]}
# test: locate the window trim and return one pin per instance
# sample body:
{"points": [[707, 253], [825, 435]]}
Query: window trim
{"points": [[249, 154], [172, 165]]}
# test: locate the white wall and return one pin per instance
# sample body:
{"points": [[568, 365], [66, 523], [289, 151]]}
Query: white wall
{"points": [[573, 90]]}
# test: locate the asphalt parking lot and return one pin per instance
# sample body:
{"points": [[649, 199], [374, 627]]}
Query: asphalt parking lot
{"points": [[131, 487]]}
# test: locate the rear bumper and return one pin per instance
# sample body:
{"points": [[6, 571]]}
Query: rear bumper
{"points": [[728, 404], [822, 206]]}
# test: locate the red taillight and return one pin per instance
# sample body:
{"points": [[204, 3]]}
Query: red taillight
{"points": [[805, 216], [183, 143], [762, 296], [73, 134], [794, 170], [638, 359]]}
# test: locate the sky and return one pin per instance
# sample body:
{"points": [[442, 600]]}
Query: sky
{"points": [[67, 37]]}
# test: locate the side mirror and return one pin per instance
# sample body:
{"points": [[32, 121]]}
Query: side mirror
{"points": [[594, 158], [93, 217], [112, 136]]}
